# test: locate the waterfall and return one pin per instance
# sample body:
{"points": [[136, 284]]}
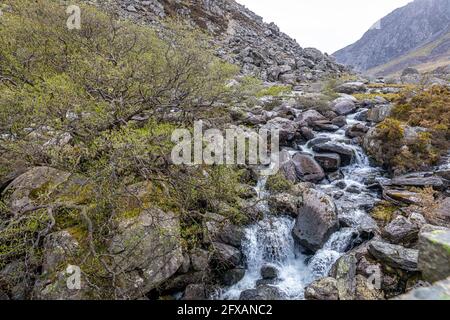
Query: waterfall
{"points": [[270, 241]]}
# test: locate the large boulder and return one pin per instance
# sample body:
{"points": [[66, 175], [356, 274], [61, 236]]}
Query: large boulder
{"points": [[365, 290], [434, 255], [395, 256], [357, 130], [351, 88], [379, 113], [287, 129], [21, 195], [344, 107], [226, 257], [146, 251], [316, 221], [308, 117], [307, 168], [322, 289], [233, 276], [330, 162], [195, 292]]}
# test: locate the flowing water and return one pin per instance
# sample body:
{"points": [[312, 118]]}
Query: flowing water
{"points": [[270, 241]]}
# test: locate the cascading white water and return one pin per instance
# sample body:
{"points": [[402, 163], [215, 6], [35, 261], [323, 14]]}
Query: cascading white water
{"points": [[270, 241]]}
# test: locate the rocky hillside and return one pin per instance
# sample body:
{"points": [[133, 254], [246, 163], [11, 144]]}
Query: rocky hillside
{"points": [[242, 37], [419, 31]]}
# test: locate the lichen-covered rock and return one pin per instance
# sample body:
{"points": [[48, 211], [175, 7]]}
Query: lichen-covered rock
{"points": [[365, 290], [21, 194], [199, 259], [379, 113], [351, 88], [146, 251], [322, 289], [344, 271], [285, 204], [434, 255], [395, 256], [316, 221]]}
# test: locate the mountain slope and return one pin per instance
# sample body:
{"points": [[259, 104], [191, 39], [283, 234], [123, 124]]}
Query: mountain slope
{"points": [[402, 32], [241, 36]]}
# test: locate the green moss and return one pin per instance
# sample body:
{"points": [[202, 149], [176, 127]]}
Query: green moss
{"points": [[278, 183], [274, 91], [384, 212]]}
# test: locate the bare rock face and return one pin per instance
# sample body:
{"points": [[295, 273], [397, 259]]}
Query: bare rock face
{"points": [[316, 221], [146, 250], [260, 49]]}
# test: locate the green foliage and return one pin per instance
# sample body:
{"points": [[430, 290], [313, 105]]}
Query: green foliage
{"points": [[278, 183], [274, 91], [418, 107]]}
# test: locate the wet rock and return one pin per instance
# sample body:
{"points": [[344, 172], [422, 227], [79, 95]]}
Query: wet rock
{"points": [[316, 221], [353, 189], [324, 125], [401, 231], [317, 141], [226, 256], [330, 162], [339, 121], [346, 153], [195, 292], [264, 292], [307, 168], [146, 250], [357, 130], [395, 256], [186, 265], [438, 291], [351, 88], [434, 255], [179, 283], [307, 133], [269, 272], [322, 289], [233, 276]]}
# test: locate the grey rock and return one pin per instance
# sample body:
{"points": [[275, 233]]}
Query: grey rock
{"points": [[199, 259], [351, 88], [344, 107], [346, 153], [438, 291], [401, 231], [195, 292], [344, 271], [307, 168], [225, 256], [316, 221], [265, 292], [434, 255], [285, 204], [322, 289], [330, 162], [233, 276], [395, 256], [269, 272]]}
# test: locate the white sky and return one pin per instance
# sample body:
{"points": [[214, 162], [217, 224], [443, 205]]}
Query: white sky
{"points": [[328, 25]]}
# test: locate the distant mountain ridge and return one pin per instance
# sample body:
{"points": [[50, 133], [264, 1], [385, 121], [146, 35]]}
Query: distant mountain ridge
{"points": [[417, 34]]}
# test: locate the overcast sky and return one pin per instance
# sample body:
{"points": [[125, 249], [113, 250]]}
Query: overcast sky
{"points": [[328, 25]]}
